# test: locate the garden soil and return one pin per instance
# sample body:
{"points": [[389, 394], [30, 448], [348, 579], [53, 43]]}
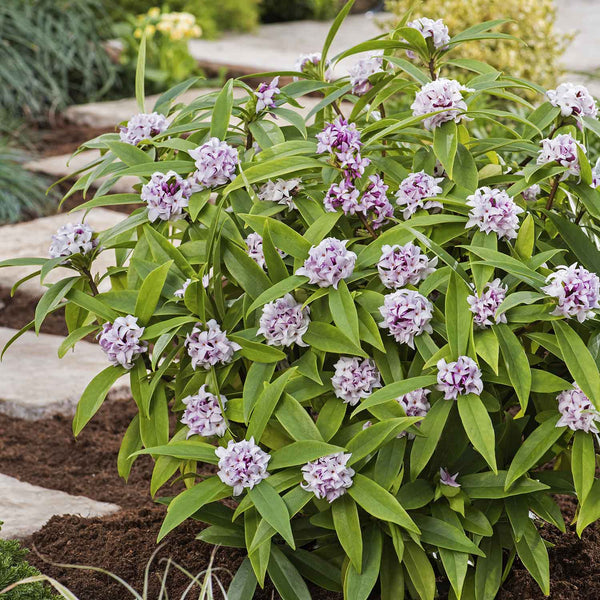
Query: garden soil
{"points": [[45, 453]]}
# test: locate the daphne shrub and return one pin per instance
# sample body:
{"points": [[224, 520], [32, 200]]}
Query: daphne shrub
{"points": [[377, 331]]}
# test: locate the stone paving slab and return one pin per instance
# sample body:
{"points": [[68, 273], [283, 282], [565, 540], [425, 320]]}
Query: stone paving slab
{"points": [[37, 384], [26, 508], [32, 238]]}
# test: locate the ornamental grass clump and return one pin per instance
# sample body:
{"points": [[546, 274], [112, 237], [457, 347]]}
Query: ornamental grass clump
{"points": [[377, 331]]}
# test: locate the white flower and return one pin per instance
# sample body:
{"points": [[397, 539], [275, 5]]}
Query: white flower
{"points": [[283, 322], [280, 191], [242, 465], [354, 379], [573, 100]]}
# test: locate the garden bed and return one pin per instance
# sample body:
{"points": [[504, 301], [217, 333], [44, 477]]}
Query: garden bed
{"points": [[46, 454]]}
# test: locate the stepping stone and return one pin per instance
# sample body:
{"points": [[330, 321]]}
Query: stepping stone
{"points": [[36, 384], [276, 46], [26, 508], [32, 238]]}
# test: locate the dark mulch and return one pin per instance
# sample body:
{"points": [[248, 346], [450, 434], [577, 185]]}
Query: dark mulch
{"points": [[63, 138]]}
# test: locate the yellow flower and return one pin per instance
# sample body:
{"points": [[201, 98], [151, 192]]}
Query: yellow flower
{"points": [[154, 12], [137, 33]]}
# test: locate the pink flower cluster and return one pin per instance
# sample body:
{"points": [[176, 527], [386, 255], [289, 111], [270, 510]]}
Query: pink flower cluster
{"points": [[166, 196], [406, 314], [143, 126], [254, 243], [242, 465], [283, 322], [354, 379], [328, 477], [216, 162], [328, 263], [72, 239], [415, 403], [577, 411], [573, 100], [484, 306], [443, 95], [577, 291], [280, 191], [362, 70], [459, 378], [430, 28], [400, 266], [203, 414], [265, 94], [209, 347], [494, 211], [342, 195], [121, 342], [415, 192], [561, 149]]}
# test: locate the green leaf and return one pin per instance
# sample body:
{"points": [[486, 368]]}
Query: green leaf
{"points": [[534, 556], [347, 528], [243, 584], [526, 238], [257, 352], [579, 361], [285, 577], [465, 170], [51, 299], [491, 485], [517, 364], [93, 396], [488, 572], [478, 426], [344, 311], [379, 503], [129, 154], [301, 452], [150, 292], [296, 420], [328, 338], [130, 443], [358, 585], [273, 509], [419, 570], [191, 500], [276, 291], [533, 449], [459, 319], [445, 145], [266, 133], [440, 533], [583, 464], [222, 111], [589, 511], [192, 449], [317, 569], [74, 337], [339, 19], [487, 346], [251, 278], [482, 273], [431, 429], [258, 375], [160, 244]]}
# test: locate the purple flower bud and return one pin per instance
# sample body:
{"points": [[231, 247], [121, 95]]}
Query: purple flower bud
{"points": [[306, 62], [577, 291], [216, 162], [328, 477], [459, 378], [209, 347], [242, 465], [561, 149], [166, 196], [573, 100], [577, 411], [265, 95], [400, 266], [484, 307], [283, 322], [281, 191], [143, 126], [362, 70], [72, 239], [353, 164], [441, 95], [406, 314], [203, 414], [342, 195], [447, 479], [354, 379], [531, 193], [435, 29], [375, 203], [120, 341], [415, 191], [328, 263], [494, 211]]}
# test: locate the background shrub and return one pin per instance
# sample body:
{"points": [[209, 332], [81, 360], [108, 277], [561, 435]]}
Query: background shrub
{"points": [[272, 11], [51, 55], [538, 59]]}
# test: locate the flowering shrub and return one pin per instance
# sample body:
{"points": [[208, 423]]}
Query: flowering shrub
{"points": [[532, 21], [379, 338]]}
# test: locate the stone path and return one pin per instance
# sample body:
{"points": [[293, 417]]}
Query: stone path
{"points": [[36, 384], [25, 508], [32, 238]]}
